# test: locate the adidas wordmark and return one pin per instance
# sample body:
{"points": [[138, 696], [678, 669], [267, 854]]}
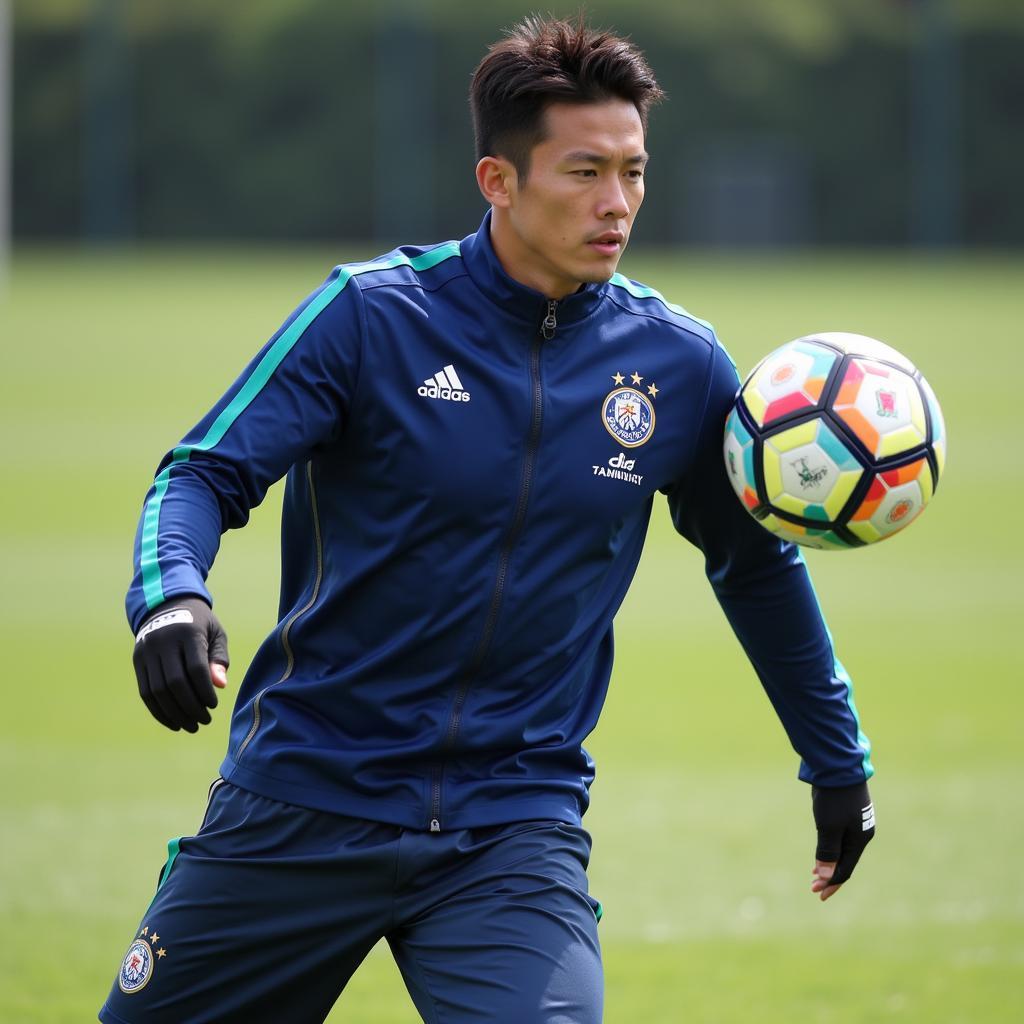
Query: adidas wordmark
{"points": [[444, 384]]}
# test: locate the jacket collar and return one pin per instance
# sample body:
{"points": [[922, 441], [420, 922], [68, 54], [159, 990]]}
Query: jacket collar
{"points": [[524, 303]]}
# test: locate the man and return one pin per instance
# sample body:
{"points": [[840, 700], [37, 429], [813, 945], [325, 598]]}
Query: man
{"points": [[473, 434]]}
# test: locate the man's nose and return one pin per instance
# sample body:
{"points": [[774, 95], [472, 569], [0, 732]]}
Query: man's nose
{"points": [[613, 202]]}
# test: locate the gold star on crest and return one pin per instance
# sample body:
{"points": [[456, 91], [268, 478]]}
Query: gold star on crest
{"points": [[145, 931], [161, 953], [154, 938], [618, 378], [652, 390], [636, 378]]}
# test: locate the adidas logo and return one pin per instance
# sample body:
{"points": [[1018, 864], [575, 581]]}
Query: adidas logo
{"points": [[444, 384]]}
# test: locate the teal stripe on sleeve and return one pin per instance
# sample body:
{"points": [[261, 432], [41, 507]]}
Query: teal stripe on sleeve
{"points": [[641, 291], [844, 677], [149, 564], [152, 584]]}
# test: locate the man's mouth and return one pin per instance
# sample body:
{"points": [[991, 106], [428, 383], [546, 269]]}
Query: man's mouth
{"points": [[608, 243]]}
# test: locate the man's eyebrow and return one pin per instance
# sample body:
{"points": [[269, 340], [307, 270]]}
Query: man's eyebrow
{"points": [[582, 157]]}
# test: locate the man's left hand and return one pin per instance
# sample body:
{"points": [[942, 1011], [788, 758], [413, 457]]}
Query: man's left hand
{"points": [[845, 819]]}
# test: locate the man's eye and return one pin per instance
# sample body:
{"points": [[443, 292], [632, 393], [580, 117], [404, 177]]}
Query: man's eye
{"points": [[586, 172]]}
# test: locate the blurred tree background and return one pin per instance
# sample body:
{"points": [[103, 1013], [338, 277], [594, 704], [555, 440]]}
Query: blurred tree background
{"points": [[792, 122]]}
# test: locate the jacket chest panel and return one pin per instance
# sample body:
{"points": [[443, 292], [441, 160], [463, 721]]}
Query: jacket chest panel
{"points": [[617, 428], [458, 416], [442, 420]]}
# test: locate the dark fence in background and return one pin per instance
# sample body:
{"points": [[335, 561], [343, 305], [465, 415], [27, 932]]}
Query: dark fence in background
{"points": [[330, 128]]}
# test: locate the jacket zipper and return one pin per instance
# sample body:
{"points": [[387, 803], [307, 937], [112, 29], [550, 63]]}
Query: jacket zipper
{"points": [[547, 331], [550, 323], [286, 632]]}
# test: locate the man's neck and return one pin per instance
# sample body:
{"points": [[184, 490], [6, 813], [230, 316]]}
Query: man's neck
{"points": [[517, 261]]}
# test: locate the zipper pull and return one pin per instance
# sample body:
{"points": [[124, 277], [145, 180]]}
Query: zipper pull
{"points": [[550, 324], [435, 825]]}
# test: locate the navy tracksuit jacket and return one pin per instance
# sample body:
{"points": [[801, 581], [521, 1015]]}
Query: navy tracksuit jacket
{"points": [[471, 469]]}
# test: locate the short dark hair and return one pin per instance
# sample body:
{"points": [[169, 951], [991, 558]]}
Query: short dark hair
{"points": [[542, 61]]}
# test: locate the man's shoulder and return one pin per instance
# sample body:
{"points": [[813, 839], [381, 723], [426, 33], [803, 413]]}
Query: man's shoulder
{"points": [[350, 286], [642, 300], [406, 266]]}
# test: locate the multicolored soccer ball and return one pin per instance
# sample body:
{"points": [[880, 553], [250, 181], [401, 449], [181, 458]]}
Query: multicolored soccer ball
{"points": [[835, 441]]}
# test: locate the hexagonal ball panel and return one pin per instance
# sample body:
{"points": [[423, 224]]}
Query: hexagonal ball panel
{"points": [[809, 472], [882, 406], [894, 500], [789, 379]]}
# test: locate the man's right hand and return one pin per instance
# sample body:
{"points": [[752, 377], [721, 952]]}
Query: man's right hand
{"points": [[181, 654]]}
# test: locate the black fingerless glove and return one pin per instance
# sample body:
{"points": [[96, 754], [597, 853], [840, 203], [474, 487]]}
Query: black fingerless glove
{"points": [[845, 818], [173, 650]]}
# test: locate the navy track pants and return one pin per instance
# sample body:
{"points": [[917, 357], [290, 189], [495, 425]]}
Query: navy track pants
{"points": [[267, 911]]}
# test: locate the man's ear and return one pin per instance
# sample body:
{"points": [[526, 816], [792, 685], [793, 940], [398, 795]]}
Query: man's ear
{"points": [[497, 180]]}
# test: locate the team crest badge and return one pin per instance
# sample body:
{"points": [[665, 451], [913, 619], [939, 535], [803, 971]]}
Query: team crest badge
{"points": [[137, 965], [628, 416], [136, 968]]}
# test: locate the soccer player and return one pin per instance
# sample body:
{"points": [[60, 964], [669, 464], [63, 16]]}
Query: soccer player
{"points": [[473, 435]]}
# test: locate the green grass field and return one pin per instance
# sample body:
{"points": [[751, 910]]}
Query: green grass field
{"points": [[703, 836]]}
